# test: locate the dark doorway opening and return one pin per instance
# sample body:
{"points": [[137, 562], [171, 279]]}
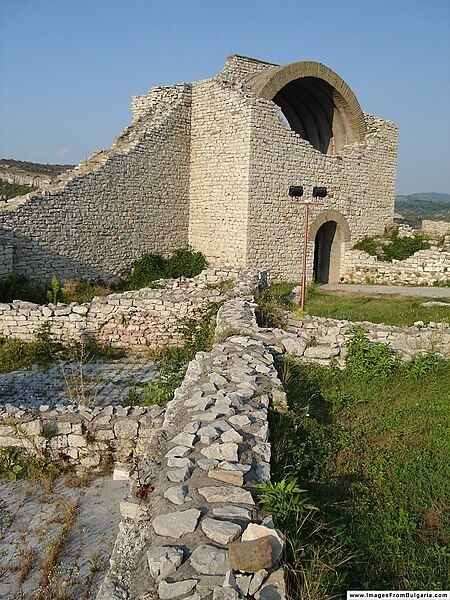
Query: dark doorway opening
{"points": [[326, 254]]}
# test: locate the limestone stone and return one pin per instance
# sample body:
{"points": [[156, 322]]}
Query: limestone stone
{"points": [[226, 494], [232, 512], [177, 494], [232, 477], [166, 590], [250, 556], [210, 560], [221, 532], [254, 531], [163, 561], [176, 524], [257, 580], [224, 451]]}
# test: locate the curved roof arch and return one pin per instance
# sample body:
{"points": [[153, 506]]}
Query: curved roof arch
{"points": [[317, 103]]}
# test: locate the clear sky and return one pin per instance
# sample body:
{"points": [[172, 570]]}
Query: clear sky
{"points": [[69, 67]]}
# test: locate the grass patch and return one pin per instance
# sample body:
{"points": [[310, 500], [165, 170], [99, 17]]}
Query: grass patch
{"points": [[44, 350], [389, 309], [392, 310], [369, 446]]}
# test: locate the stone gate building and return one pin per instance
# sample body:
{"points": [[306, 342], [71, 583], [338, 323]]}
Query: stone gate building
{"points": [[209, 165]]}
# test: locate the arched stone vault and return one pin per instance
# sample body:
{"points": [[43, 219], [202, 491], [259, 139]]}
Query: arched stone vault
{"points": [[317, 103], [331, 215]]}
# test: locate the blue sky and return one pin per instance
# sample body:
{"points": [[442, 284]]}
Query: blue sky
{"points": [[69, 68]]}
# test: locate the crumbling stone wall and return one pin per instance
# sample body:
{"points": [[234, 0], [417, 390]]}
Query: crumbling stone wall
{"points": [[6, 252], [435, 227], [424, 267], [323, 340], [135, 320], [200, 530], [114, 207], [83, 436]]}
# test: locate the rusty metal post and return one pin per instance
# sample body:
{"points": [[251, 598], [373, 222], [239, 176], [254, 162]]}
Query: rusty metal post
{"points": [[305, 252]]}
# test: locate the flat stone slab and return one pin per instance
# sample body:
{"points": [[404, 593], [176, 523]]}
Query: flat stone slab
{"points": [[210, 560], [250, 556], [221, 532], [178, 589], [176, 524], [226, 494]]}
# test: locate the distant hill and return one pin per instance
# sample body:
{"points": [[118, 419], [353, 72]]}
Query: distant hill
{"points": [[30, 167], [430, 196], [427, 205]]}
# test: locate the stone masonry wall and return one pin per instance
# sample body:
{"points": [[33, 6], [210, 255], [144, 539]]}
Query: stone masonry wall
{"points": [[136, 319], [83, 436], [360, 184], [424, 267], [6, 252], [219, 170], [132, 198], [199, 533]]}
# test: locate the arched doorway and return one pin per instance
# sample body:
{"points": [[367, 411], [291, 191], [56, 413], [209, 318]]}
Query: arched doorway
{"points": [[329, 231], [326, 254]]}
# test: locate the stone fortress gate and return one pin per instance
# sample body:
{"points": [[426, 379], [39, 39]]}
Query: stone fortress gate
{"points": [[209, 165]]}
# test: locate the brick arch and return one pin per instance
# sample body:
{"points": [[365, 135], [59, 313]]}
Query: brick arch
{"points": [[331, 215], [317, 103]]}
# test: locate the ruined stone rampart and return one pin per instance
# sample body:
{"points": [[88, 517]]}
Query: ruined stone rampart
{"points": [[435, 227], [425, 267], [325, 339], [136, 319], [6, 252], [200, 531], [104, 214]]}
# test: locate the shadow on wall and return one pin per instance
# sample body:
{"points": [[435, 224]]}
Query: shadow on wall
{"points": [[39, 263]]}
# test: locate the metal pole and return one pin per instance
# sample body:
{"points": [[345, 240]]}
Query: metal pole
{"points": [[305, 251]]}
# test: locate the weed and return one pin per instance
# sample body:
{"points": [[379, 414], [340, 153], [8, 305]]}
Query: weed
{"points": [[367, 360], [372, 453], [280, 499], [17, 464], [392, 247], [54, 294]]}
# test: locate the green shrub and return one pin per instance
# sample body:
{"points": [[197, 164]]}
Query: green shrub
{"points": [[16, 464], [11, 190], [14, 287], [392, 247], [368, 360], [150, 267], [281, 498], [424, 364]]}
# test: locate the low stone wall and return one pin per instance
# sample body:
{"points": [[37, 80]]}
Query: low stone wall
{"points": [[84, 436], [135, 320], [321, 340], [435, 227], [199, 533], [424, 267]]}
